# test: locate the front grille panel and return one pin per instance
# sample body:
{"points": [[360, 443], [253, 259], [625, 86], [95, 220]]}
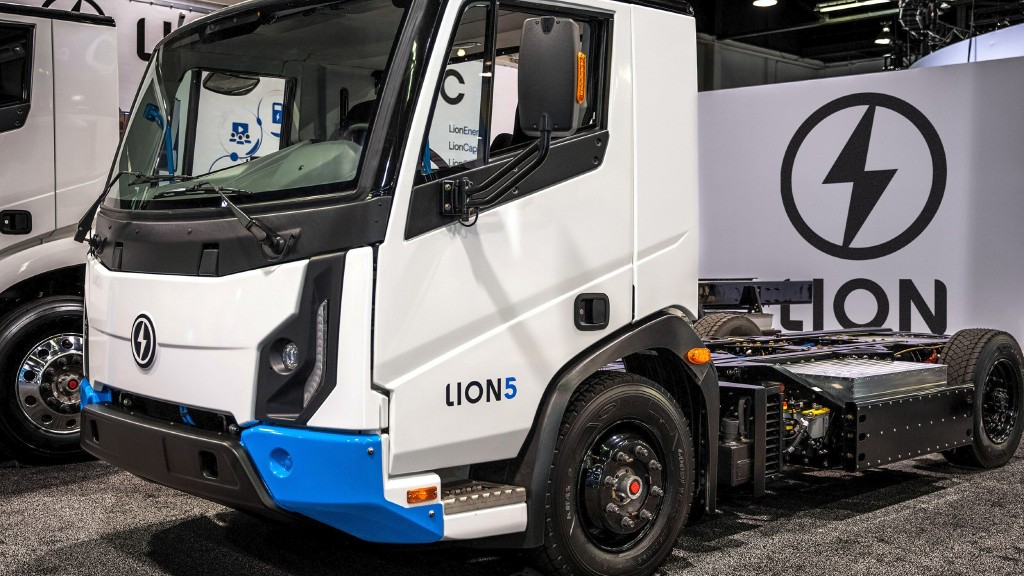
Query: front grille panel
{"points": [[177, 414]]}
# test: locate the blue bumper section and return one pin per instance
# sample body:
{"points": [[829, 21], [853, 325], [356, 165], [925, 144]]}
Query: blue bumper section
{"points": [[89, 395], [337, 479]]}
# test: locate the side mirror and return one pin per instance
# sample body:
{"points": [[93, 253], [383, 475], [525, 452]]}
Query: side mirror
{"points": [[552, 76]]}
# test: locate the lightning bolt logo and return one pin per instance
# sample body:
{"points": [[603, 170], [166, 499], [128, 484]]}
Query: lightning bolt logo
{"points": [[851, 168], [143, 341]]}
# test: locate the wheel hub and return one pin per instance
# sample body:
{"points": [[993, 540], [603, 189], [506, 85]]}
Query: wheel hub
{"points": [[622, 489], [999, 403], [49, 384]]}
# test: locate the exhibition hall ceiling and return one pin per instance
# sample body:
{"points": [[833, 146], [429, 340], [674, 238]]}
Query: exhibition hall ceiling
{"points": [[834, 31]]}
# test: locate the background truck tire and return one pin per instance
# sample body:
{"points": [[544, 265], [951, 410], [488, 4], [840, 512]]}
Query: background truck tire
{"points": [[990, 361], [621, 480], [725, 325], [40, 375]]}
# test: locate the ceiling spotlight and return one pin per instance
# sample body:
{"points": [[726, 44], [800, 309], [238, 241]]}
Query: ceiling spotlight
{"points": [[765, 3], [845, 4], [885, 38]]}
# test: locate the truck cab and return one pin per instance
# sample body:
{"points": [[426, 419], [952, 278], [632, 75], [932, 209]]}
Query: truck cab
{"points": [[423, 271], [58, 130]]}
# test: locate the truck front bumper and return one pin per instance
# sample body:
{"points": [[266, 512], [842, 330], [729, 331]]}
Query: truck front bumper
{"points": [[336, 479]]}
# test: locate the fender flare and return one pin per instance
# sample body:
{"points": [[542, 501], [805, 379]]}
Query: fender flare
{"points": [[668, 329]]}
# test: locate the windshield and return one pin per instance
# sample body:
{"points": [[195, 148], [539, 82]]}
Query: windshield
{"points": [[275, 101]]}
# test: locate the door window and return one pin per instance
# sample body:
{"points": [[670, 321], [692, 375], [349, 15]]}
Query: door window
{"points": [[15, 74], [475, 109]]}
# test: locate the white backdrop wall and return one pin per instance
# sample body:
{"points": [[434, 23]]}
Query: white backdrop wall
{"points": [[932, 162]]}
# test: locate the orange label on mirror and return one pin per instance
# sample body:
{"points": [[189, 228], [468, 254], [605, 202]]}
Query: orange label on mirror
{"points": [[581, 77]]}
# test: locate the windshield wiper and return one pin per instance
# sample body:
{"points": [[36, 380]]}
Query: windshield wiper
{"points": [[276, 246], [85, 224]]}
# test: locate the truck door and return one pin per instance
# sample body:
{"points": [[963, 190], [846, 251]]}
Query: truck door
{"points": [[27, 209], [474, 318]]}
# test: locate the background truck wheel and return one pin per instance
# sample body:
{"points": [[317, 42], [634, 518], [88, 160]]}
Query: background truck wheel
{"points": [[621, 480], [725, 325], [990, 361], [40, 376]]}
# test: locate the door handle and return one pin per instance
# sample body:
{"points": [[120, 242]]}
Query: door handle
{"points": [[15, 222], [591, 312]]}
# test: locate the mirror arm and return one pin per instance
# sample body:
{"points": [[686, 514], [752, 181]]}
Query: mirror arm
{"points": [[459, 199], [543, 146], [539, 151]]}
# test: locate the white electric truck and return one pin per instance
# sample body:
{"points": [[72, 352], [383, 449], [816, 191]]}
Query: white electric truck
{"points": [[451, 298], [58, 130]]}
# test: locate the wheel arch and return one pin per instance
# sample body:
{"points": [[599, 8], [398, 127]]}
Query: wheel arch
{"points": [[63, 281], [654, 347]]}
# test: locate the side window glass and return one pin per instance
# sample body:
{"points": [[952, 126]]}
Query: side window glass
{"points": [[15, 73], [475, 114], [456, 130]]}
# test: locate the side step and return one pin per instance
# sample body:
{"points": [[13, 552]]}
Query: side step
{"points": [[473, 495]]}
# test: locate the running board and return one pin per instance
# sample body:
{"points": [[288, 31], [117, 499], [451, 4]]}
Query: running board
{"points": [[472, 496]]}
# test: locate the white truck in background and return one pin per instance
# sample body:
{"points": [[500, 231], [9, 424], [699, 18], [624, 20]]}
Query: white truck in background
{"points": [[58, 132], [360, 327]]}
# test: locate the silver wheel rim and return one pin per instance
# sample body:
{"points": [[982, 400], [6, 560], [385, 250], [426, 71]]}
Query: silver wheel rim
{"points": [[49, 384]]}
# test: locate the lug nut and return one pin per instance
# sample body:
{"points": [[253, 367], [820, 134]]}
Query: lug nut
{"points": [[623, 458], [654, 465], [609, 481], [657, 491], [645, 515], [628, 522], [611, 509], [641, 452]]}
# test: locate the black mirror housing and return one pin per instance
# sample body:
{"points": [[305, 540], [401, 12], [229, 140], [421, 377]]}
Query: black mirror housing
{"points": [[550, 68]]}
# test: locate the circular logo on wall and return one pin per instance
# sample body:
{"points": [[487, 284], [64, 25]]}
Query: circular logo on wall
{"points": [[143, 341], [915, 197], [77, 7]]}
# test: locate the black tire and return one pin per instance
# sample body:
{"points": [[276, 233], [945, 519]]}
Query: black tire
{"points": [[55, 320], [725, 325], [991, 361], [611, 414]]}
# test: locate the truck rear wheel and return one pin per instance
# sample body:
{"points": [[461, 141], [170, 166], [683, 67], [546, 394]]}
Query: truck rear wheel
{"points": [[621, 480], [41, 370], [991, 361], [725, 325]]}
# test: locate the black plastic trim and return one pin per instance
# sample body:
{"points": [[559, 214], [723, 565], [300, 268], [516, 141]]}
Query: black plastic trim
{"points": [[13, 116], [154, 246], [172, 455], [54, 14], [567, 159], [279, 395], [675, 6], [667, 330]]}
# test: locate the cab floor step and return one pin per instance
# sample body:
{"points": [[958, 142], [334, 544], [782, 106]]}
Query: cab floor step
{"points": [[473, 495]]}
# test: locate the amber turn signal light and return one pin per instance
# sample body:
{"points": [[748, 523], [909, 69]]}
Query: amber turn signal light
{"points": [[421, 495], [698, 356], [581, 77]]}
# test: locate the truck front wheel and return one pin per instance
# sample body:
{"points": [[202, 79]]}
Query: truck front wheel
{"points": [[621, 479], [41, 370], [990, 361]]}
